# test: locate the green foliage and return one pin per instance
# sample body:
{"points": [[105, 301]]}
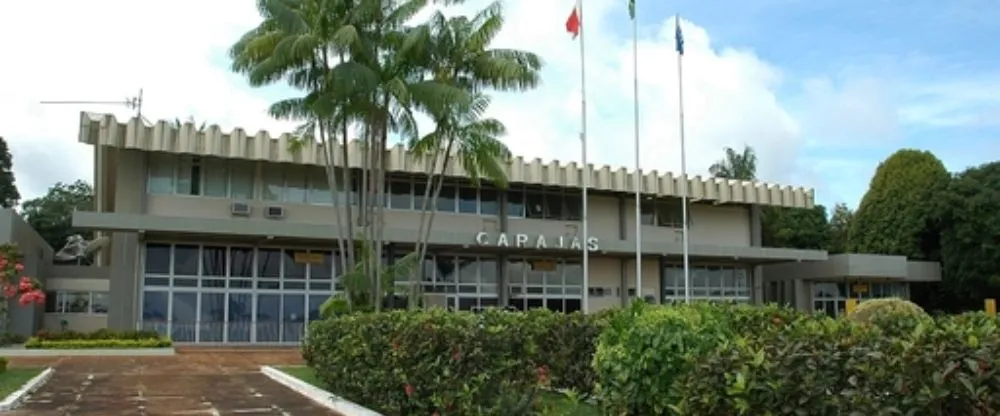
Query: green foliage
{"points": [[566, 345], [742, 165], [51, 215], [9, 196], [86, 344], [970, 254], [899, 213], [3, 364], [839, 228], [870, 311], [11, 338], [646, 349], [403, 363], [100, 334], [335, 306], [805, 229]]}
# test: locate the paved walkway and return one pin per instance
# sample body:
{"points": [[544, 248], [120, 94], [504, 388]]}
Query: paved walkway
{"points": [[194, 382]]}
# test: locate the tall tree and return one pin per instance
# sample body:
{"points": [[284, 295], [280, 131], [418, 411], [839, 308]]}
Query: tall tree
{"points": [[970, 239], [9, 196], [51, 215], [736, 165], [840, 226], [898, 214]]}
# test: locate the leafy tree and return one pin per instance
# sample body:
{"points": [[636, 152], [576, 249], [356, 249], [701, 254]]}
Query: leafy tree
{"points": [[52, 214], [840, 223], [805, 229], [897, 215], [9, 196], [970, 248], [735, 165]]}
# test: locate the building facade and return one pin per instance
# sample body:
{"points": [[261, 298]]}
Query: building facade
{"points": [[230, 237]]}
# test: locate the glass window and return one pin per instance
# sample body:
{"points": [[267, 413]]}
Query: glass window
{"points": [[324, 270], [515, 203], [99, 302], [216, 178], [534, 204], [157, 258], [319, 191], [447, 198], [52, 302], [185, 260], [468, 202], [188, 176], [241, 262], [213, 261], [269, 263], [468, 270], [647, 212], [296, 188], [161, 174], [489, 201], [241, 181], [399, 195], [77, 302], [419, 187], [294, 269], [574, 207], [274, 181], [554, 206], [154, 306]]}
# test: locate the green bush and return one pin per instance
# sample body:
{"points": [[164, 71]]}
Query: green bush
{"points": [[871, 310], [821, 366], [421, 363], [11, 338], [3, 364], [566, 345], [84, 344], [645, 349], [100, 334]]}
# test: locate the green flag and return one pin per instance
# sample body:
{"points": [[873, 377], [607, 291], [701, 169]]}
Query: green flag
{"points": [[631, 9]]}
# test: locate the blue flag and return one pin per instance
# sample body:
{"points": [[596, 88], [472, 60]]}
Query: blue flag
{"points": [[678, 35]]}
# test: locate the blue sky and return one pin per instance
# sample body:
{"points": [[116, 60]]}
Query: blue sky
{"points": [[823, 90], [916, 55]]}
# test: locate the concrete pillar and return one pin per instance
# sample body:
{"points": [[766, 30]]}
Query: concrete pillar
{"points": [[756, 272]]}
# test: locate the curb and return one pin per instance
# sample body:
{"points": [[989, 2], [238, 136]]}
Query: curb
{"points": [[96, 352], [14, 399], [321, 397]]}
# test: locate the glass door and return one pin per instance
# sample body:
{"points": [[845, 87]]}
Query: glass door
{"points": [[239, 317], [268, 324]]}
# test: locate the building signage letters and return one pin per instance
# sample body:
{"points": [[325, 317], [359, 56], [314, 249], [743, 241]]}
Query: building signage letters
{"points": [[539, 242]]}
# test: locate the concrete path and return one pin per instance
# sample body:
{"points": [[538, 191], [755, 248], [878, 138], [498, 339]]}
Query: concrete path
{"points": [[193, 382]]}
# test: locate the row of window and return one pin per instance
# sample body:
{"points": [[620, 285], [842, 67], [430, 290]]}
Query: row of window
{"points": [[223, 178], [77, 302], [193, 260], [831, 298], [707, 283]]}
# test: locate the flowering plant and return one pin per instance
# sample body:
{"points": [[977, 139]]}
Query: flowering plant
{"points": [[25, 289]]}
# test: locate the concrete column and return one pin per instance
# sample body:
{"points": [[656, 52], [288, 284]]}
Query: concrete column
{"points": [[756, 272], [123, 309]]}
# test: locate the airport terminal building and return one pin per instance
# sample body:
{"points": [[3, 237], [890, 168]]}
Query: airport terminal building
{"points": [[229, 237]]}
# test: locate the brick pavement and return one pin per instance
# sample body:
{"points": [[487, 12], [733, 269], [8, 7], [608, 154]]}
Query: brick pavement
{"points": [[194, 382]]}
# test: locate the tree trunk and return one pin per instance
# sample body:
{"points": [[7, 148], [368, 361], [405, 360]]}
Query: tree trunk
{"points": [[331, 180], [437, 193], [379, 217], [417, 278], [347, 186]]}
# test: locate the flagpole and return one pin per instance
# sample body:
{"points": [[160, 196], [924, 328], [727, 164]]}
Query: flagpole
{"points": [[684, 186], [586, 167], [638, 169]]}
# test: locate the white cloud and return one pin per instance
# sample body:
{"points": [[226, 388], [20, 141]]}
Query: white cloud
{"points": [[107, 49]]}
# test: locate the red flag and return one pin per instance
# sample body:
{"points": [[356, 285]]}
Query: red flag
{"points": [[573, 23]]}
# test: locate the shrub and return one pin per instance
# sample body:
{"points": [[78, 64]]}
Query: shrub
{"points": [[402, 363], [84, 344], [645, 349], [872, 310], [3, 364], [11, 338], [566, 345], [821, 366], [100, 334]]}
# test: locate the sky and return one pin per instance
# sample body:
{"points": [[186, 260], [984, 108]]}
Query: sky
{"points": [[823, 90]]}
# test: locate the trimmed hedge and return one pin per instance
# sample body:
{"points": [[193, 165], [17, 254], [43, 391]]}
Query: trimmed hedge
{"points": [[84, 344], [100, 334], [745, 360], [453, 363]]}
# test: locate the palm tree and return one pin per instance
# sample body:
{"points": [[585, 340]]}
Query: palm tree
{"points": [[475, 142], [190, 120], [459, 55], [742, 166]]}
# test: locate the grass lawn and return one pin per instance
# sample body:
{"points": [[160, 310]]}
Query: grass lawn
{"points": [[14, 378], [556, 402]]}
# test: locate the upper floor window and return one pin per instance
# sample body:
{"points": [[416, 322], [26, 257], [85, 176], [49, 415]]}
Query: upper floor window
{"points": [[200, 176], [662, 213], [408, 193], [545, 204]]}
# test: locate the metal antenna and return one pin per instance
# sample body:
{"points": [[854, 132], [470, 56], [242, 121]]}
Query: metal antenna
{"points": [[134, 103]]}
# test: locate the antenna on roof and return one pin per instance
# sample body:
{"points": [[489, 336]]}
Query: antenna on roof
{"points": [[134, 103]]}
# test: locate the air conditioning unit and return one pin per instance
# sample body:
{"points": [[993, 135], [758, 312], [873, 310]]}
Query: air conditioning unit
{"points": [[240, 209], [274, 212]]}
